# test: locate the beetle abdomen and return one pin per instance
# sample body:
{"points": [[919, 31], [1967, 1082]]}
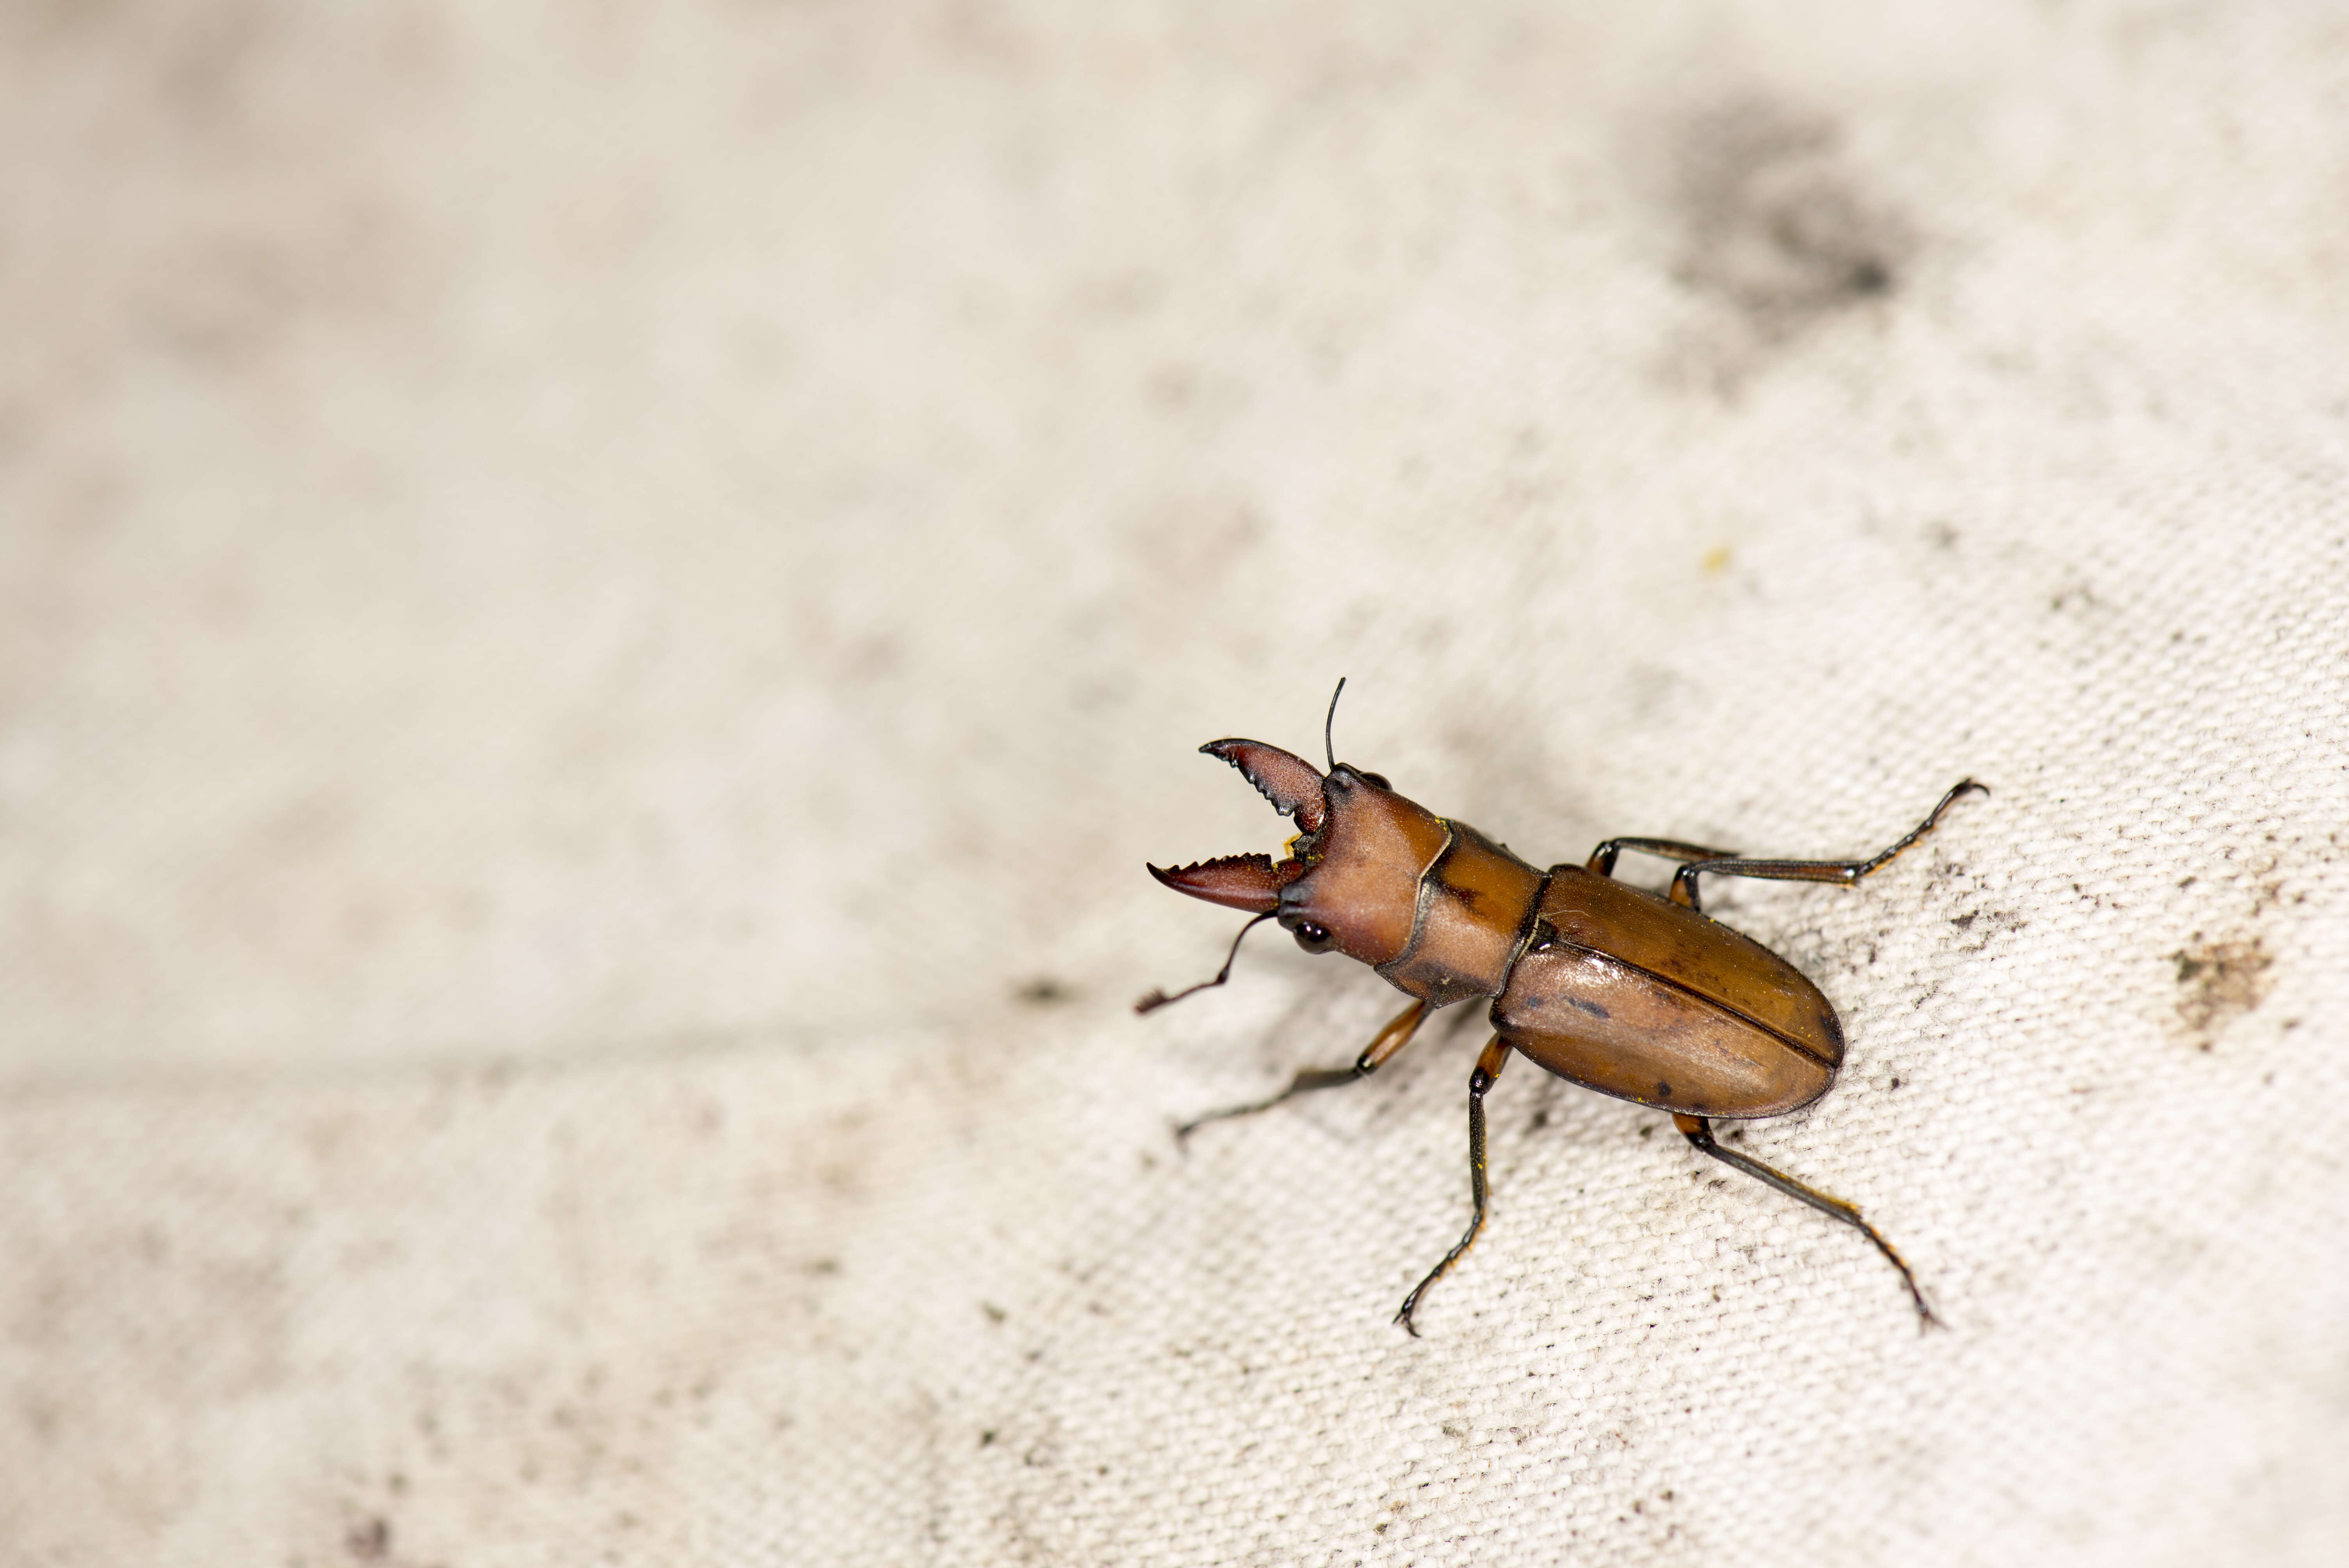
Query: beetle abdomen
{"points": [[1606, 1026], [1625, 993], [1678, 945]]}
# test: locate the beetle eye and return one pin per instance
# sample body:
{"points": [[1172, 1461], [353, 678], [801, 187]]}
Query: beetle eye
{"points": [[1311, 937], [1378, 778]]}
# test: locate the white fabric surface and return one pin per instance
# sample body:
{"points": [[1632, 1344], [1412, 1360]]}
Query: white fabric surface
{"points": [[601, 608]]}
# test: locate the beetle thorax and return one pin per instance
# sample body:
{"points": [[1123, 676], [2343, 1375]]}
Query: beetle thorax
{"points": [[1433, 905]]}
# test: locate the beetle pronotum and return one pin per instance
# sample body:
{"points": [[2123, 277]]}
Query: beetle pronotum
{"points": [[1620, 990]]}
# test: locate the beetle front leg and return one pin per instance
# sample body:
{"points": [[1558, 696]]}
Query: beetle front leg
{"points": [[1386, 1043], [1699, 1131], [1488, 1067]]}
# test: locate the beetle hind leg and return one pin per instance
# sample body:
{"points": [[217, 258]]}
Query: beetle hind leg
{"points": [[1396, 1034], [1699, 1133], [1488, 1067]]}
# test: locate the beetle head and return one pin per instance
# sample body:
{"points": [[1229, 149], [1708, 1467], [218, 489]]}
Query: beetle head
{"points": [[1349, 880]]}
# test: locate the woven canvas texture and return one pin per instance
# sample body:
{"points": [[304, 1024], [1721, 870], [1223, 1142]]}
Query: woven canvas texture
{"points": [[602, 607]]}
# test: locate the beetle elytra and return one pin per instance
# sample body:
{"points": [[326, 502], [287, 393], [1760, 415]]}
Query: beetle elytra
{"points": [[1634, 994]]}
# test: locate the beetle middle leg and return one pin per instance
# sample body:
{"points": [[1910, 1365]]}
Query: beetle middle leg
{"points": [[1844, 871], [1602, 859], [1699, 1131], [1386, 1043], [1488, 1067]]}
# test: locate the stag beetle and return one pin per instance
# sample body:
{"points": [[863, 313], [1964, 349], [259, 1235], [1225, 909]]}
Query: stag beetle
{"points": [[1643, 997]]}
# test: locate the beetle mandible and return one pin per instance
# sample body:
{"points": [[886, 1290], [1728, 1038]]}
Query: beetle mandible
{"points": [[1634, 995]]}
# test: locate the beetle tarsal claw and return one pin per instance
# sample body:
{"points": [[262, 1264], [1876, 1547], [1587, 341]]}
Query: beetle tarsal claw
{"points": [[1251, 882]]}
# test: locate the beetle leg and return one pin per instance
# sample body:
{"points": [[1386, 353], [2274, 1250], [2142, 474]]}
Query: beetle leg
{"points": [[1488, 1067], [1385, 1043], [1699, 1131], [1844, 871], [1602, 859]]}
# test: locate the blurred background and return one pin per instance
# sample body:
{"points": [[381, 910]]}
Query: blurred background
{"points": [[601, 605]]}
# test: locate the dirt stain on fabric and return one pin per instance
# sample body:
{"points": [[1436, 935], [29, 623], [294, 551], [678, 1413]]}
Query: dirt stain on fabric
{"points": [[2218, 982], [1777, 225], [370, 1541]]}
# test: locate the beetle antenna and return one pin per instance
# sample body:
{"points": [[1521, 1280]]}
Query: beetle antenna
{"points": [[1158, 999], [1328, 723]]}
